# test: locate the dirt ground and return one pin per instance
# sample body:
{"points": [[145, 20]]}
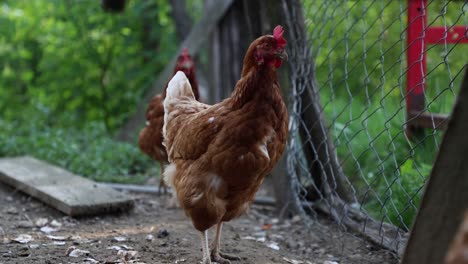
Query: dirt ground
{"points": [[31, 232]]}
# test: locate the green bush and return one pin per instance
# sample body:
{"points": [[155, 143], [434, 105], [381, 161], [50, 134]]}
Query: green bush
{"points": [[78, 64]]}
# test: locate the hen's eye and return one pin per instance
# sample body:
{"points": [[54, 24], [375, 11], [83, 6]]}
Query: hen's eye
{"points": [[267, 45]]}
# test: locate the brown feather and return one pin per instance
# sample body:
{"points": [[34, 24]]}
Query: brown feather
{"points": [[221, 153]]}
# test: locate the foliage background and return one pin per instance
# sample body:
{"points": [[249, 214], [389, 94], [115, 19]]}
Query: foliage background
{"points": [[70, 74]]}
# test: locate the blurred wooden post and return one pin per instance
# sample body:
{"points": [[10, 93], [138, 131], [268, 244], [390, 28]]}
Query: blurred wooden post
{"points": [[182, 20], [228, 43], [446, 195], [318, 146]]}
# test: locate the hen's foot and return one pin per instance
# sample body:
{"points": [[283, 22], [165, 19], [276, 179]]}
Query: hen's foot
{"points": [[223, 258]]}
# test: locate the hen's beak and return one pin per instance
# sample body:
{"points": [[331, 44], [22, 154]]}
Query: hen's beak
{"points": [[282, 55]]}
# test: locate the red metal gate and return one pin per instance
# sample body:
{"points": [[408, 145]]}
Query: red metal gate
{"points": [[418, 35]]}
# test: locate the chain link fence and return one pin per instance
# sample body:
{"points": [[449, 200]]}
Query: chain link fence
{"points": [[351, 152]]}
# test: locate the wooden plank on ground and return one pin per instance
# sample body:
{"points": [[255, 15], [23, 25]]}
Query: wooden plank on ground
{"points": [[58, 188], [446, 197]]}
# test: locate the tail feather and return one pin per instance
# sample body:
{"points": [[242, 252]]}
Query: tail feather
{"points": [[178, 90], [179, 86]]}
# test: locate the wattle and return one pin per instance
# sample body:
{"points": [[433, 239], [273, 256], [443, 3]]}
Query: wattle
{"points": [[278, 63]]}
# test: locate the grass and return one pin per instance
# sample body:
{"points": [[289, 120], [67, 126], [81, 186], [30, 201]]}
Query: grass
{"points": [[359, 53], [89, 152]]}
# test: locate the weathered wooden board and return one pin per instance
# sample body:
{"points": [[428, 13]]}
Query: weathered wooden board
{"points": [[446, 196], [69, 193]]}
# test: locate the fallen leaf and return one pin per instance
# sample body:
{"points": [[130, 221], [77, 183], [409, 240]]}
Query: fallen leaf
{"points": [[179, 260], [75, 238], [48, 229], [75, 252], [296, 219], [59, 243], [330, 262], [273, 245], [91, 260], [267, 226], [115, 248], [78, 240], [293, 261], [150, 237], [40, 222], [55, 223], [56, 237], [126, 247], [119, 239], [23, 239]]}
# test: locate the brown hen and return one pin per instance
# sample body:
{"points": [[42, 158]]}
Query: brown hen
{"points": [[220, 154], [150, 138]]}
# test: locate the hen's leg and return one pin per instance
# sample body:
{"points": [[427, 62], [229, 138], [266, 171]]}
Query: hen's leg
{"points": [[162, 184], [216, 255], [206, 250], [173, 203]]}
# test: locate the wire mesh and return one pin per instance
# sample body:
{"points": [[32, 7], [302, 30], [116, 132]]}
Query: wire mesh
{"points": [[349, 154]]}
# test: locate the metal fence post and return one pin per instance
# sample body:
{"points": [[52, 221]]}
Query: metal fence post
{"points": [[416, 64]]}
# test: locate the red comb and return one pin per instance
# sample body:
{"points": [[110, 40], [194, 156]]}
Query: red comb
{"points": [[278, 35], [184, 52]]}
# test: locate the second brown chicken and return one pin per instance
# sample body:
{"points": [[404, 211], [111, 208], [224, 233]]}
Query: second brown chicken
{"points": [[150, 138]]}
